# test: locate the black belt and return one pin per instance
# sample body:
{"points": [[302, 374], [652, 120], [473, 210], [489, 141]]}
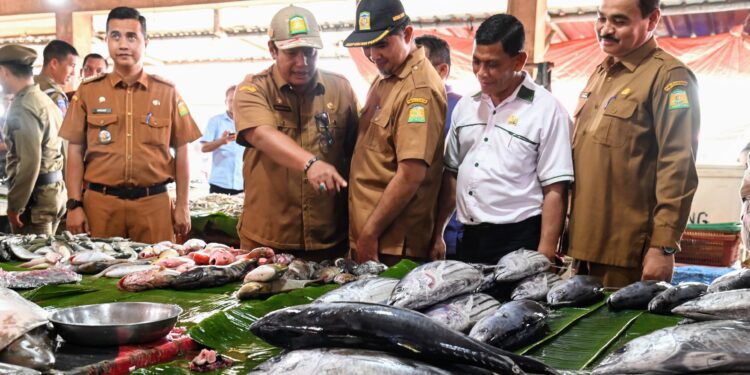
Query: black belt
{"points": [[49, 178], [128, 192]]}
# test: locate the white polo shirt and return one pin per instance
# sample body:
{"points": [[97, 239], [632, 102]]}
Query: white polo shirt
{"points": [[504, 154]]}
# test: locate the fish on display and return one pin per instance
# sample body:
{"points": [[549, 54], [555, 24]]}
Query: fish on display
{"points": [[462, 312], [96, 266], [24, 339], [738, 279], [299, 270], [149, 279], [434, 282], [375, 290], [119, 270], [675, 296], [344, 278], [521, 263], [347, 265], [326, 274], [266, 272], [579, 290], [718, 347], [370, 267], [731, 304], [637, 295], [37, 278], [383, 327], [513, 325], [535, 287], [256, 289], [210, 276]]}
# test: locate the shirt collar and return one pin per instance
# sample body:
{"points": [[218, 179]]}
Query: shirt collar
{"points": [[634, 58], [48, 80], [116, 79], [282, 84], [25, 90], [524, 91], [410, 63]]}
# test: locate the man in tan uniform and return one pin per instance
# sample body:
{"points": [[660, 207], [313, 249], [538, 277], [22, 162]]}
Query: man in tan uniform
{"points": [[58, 70], [634, 151], [299, 125], [397, 165], [36, 193], [121, 127]]}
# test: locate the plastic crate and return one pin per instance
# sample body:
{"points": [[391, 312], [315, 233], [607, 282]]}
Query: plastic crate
{"points": [[710, 245]]}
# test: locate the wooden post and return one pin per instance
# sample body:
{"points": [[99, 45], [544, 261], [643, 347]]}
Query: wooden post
{"points": [[532, 14], [76, 29]]}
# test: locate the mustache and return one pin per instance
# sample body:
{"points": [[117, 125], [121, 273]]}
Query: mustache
{"points": [[609, 37]]}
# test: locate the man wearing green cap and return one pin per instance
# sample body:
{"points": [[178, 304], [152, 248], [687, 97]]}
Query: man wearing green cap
{"points": [[397, 165], [36, 193], [299, 125]]}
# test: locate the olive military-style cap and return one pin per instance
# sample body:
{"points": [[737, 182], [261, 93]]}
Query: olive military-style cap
{"points": [[17, 54], [294, 27], [375, 20]]}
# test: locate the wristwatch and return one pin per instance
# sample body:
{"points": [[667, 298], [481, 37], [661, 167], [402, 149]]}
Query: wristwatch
{"points": [[669, 250], [309, 164], [73, 203]]}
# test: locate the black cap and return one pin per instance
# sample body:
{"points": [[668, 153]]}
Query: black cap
{"points": [[375, 20]]}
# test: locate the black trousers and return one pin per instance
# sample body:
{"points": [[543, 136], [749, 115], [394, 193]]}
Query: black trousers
{"points": [[487, 243], [216, 189]]}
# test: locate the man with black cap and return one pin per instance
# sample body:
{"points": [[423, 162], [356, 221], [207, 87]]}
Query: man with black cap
{"points": [[36, 195], [397, 165], [299, 126]]}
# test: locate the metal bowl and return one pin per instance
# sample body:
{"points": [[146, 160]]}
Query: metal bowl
{"points": [[119, 323]]}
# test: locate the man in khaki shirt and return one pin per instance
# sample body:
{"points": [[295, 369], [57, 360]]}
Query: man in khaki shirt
{"points": [[58, 70], [36, 193], [299, 125], [634, 151], [122, 128], [397, 164]]}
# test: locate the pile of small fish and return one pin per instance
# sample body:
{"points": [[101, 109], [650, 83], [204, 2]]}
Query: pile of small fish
{"points": [[42, 251], [230, 205]]}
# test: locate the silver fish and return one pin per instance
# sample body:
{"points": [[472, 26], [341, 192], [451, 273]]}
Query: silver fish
{"points": [[579, 290], [513, 325], [21, 253], [535, 287], [636, 295], [462, 312], [433, 282], [299, 270], [731, 304], [718, 347], [37, 278], [739, 279], [334, 361], [119, 270], [521, 263], [667, 300], [376, 290], [370, 267]]}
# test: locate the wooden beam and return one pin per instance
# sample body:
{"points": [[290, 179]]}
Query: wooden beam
{"points": [[12, 8], [532, 14]]}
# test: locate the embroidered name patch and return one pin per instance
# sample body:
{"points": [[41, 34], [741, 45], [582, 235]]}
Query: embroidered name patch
{"points": [[416, 101], [417, 114]]}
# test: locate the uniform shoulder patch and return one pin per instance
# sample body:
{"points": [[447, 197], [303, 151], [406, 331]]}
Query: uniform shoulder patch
{"points": [[678, 99], [247, 88], [416, 100], [95, 78], [417, 114], [162, 79], [674, 84], [182, 109]]}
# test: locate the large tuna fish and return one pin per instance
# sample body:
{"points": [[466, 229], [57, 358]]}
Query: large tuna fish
{"points": [[717, 347], [578, 290], [383, 327], [462, 312], [375, 290], [513, 325], [434, 282], [732, 304], [535, 287], [521, 263], [637, 295], [739, 279], [675, 296]]}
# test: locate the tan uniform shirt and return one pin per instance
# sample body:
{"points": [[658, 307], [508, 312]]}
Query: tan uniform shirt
{"points": [[143, 121], [31, 134], [402, 119], [281, 209], [54, 91], [634, 151]]}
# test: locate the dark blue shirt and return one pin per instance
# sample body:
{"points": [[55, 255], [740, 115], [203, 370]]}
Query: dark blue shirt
{"points": [[455, 230]]}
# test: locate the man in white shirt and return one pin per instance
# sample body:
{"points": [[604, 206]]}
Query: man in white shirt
{"points": [[507, 157]]}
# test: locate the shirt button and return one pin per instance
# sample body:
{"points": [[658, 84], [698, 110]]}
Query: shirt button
{"points": [[128, 134], [476, 164], [471, 219], [494, 112], [486, 139], [130, 113], [471, 193], [130, 157]]}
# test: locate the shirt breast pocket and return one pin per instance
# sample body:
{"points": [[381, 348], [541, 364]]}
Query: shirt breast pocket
{"points": [[156, 130], [378, 137], [101, 131], [617, 123], [522, 153]]}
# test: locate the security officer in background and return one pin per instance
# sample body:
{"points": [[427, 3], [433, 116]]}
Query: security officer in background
{"points": [[36, 194], [299, 124], [397, 165], [636, 137], [122, 128], [58, 69]]}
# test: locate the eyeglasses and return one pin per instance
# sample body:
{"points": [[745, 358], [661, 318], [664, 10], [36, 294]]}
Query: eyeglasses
{"points": [[325, 140]]}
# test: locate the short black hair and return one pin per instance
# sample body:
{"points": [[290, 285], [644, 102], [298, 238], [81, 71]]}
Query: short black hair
{"points": [[503, 28], [19, 70], [440, 52], [648, 7], [95, 56], [58, 50], [127, 13]]}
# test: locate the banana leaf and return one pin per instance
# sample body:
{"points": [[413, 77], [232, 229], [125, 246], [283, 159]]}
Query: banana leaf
{"points": [[218, 221]]}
